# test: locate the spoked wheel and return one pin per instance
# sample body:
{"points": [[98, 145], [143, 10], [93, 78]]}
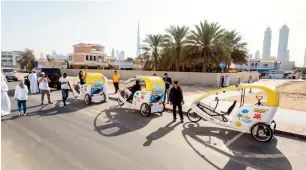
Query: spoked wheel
{"points": [[193, 116], [87, 99], [120, 102], [145, 109], [261, 132]]}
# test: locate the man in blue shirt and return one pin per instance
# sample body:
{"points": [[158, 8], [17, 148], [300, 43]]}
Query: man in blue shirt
{"points": [[168, 82]]}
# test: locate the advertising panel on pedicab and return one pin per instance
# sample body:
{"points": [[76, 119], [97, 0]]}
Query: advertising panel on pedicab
{"points": [[157, 87], [95, 82]]}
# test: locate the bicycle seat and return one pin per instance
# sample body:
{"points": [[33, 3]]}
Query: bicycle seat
{"points": [[230, 109]]}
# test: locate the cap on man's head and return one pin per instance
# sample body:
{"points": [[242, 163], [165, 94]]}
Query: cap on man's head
{"points": [[115, 71], [176, 82], [42, 73], [165, 74]]}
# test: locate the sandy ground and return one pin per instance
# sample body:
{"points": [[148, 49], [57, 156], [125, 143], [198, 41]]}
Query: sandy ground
{"points": [[292, 96]]}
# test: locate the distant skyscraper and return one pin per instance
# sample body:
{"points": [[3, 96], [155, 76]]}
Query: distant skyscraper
{"points": [[266, 50], [138, 42], [283, 44], [121, 56], [305, 58], [117, 54], [257, 55], [113, 52]]}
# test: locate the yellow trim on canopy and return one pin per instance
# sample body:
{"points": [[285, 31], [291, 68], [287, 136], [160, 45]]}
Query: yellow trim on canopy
{"points": [[91, 78], [271, 92], [154, 83]]}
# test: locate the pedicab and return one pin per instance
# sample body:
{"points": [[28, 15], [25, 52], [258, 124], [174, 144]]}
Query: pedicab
{"points": [[94, 90], [148, 100], [226, 107]]}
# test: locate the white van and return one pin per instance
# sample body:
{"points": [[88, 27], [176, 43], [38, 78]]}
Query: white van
{"points": [[10, 73]]}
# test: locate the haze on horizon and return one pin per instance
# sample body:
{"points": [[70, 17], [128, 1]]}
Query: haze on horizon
{"points": [[56, 25]]}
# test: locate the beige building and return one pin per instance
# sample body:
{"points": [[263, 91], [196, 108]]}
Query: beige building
{"points": [[87, 55]]}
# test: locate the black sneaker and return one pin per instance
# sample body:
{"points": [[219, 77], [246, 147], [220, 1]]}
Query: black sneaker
{"points": [[41, 103], [182, 121], [174, 120], [50, 103], [65, 104]]}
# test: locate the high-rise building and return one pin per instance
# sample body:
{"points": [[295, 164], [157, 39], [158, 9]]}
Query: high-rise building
{"points": [[113, 52], [257, 54], [283, 44], [117, 54], [121, 56], [138, 42], [266, 50], [305, 58]]}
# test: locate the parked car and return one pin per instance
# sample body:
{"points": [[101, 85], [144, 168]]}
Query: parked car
{"points": [[10, 74], [53, 74], [303, 76]]}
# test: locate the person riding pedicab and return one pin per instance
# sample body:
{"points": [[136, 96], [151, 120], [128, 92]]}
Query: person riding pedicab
{"points": [[134, 89]]}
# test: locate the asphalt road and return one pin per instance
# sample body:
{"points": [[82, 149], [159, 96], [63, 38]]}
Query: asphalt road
{"points": [[104, 136]]}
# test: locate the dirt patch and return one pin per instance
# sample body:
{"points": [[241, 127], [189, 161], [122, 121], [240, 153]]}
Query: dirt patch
{"points": [[292, 96]]}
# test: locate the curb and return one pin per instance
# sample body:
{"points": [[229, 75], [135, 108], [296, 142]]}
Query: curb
{"points": [[279, 132]]}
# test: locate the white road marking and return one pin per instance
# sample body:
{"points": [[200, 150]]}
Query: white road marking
{"points": [[233, 139]]}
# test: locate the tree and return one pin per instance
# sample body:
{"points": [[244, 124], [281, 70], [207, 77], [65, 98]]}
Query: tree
{"points": [[27, 59], [303, 70], [153, 45], [236, 49], [129, 59], [206, 45], [176, 38]]}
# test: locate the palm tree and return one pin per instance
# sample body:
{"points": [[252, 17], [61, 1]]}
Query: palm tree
{"points": [[237, 50], [206, 45], [176, 38], [152, 49]]}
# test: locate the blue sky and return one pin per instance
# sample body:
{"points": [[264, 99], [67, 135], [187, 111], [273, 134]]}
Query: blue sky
{"points": [[56, 25]]}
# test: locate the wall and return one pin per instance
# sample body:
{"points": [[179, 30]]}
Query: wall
{"points": [[185, 78]]}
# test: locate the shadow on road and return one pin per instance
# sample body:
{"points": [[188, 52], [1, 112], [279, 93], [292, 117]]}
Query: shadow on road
{"points": [[120, 121], [245, 151], [161, 132]]}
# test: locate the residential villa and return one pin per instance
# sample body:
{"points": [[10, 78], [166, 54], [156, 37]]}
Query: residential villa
{"points": [[87, 55]]}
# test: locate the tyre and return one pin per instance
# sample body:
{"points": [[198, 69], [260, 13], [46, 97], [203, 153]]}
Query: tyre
{"points": [[120, 102], [193, 116], [163, 108], [87, 99], [145, 109], [104, 98], [273, 125], [261, 132]]}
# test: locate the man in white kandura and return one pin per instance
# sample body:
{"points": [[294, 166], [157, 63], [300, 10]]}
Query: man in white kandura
{"points": [[5, 100], [33, 82]]}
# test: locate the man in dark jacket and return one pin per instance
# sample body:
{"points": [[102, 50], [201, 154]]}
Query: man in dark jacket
{"points": [[176, 99], [134, 89]]}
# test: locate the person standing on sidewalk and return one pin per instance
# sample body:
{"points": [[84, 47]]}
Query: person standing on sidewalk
{"points": [[250, 81], [64, 87], [176, 99], [5, 100], [168, 82], [44, 87], [226, 81], [21, 95], [116, 81]]}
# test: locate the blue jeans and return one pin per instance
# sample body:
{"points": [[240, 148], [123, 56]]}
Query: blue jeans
{"points": [[64, 95], [22, 103]]}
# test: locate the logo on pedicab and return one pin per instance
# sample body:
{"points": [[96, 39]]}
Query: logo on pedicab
{"points": [[246, 119], [260, 110]]}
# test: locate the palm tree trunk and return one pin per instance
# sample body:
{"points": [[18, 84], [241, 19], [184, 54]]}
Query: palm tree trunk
{"points": [[178, 59]]}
